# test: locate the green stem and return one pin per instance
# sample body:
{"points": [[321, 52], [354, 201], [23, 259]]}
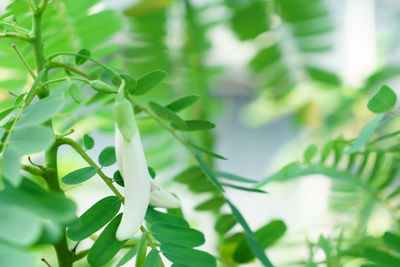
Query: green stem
{"points": [[64, 79], [15, 35], [21, 57], [53, 65]]}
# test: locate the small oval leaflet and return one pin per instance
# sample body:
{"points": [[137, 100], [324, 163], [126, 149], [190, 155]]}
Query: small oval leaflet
{"points": [[79, 175], [88, 142], [107, 156], [148, 81], [382, 100]]}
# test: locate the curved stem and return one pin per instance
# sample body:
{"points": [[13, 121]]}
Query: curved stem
{"points": [[53, 65], [63, 79], [15, 35]]}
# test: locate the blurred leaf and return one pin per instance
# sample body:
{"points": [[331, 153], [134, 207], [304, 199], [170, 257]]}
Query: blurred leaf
{"points": [[6, 112], [182, 103], [195, 125], [382, 100], [80, 60], [208, 172], [310, 153], [148, 81], [167, 114], [14, 257], [187, 256], [392, 240], [167, 233], [11, 166], [213, 203], [35, 84], [324, 76], [224, 223], [366, 133], [88, 142], [141, 252], [210, 153], [51, 233], [151, 172], [107, 156], [128, 256], [152, 259], [234, 177], [106, 246], [79, 176], [381, 258], [255, 190], [94, 218], [31, 139]]}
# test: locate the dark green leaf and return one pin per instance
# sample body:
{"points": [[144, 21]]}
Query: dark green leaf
{"points": [[215, 155], [234, 177], [148, 81], [392, 241], [154, 216], [266, 236], [211, 204], [167, 114], [152, 259], [107, 156], [208, 172], [195, 125], [13, 257], [80, 60], [6, 112], [382, 100], [382, 258], [255, 190], [151, 172], [366, 133], [79, 175], [187, 256], [41, 111], [251, 238], [182, 103], [142, 248], [128, 256], [177, 235], [106, 246], [224, 223], [118, 178], [94, 218], [88, 142]]}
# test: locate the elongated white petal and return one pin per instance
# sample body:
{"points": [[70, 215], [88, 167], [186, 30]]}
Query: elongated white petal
{"points": [[159, 197], [137, 184]]}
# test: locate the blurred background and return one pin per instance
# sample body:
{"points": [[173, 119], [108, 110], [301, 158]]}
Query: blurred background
{"points": [[274, 75]]}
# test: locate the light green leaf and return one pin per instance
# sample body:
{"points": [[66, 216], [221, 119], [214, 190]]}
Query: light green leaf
{"points": [[187, 256], [182, 103], [310, 153], [382, 100], [88, 142], [142, 248], [106, 246], [51, 233], [41, 111], [79, 175], [167, 114], [6, 112], [18, 226], [11, 166], [234, 177], [366, 133], [251, 238], [107, 156], [195, 125], [177, 235], [31, 139], [224, 223], [13, 257], [152, 259], [211, 204], [94, 218], [128, 256], [255, 190], [38, 79], [148, 81]]}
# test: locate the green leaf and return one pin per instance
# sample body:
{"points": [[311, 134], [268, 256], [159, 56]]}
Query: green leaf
{"points": [[392, 241], [142, 248], [195, 125], [208, 172], [38, 79], [11, 166], [47, 204], [251, 238], [80, 60], [18, 226], [155, 216], [148, 81], [31, 139], [106, 246], [182, 103], [167, 114], [51, 233], [94, 218], [107, 156], [6, 112], [255, 190], [322, 75], [19, 99], [128, 256], [152, 172], [381, 258], [310, 153], [187, 256], [88, 142], [213, 154], [224, 223], [177, 235], [266, 237], [211, 204], [118, 178], [41, 111], [130, 83], [234, 177], [13, 257], [382, 100], [366, 133], [79, 175], [152, 259]]}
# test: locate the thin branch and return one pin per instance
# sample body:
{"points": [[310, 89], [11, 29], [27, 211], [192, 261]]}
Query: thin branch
{"points": [[33, 170], [44, 260], [54, 64], [21, 57], [15, 35]]}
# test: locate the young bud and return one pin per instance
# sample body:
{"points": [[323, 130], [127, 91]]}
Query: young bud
{"points": [[124, 118], [102, 87]]}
